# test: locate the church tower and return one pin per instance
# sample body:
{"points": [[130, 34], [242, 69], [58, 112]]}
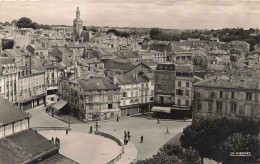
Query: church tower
{"points": [[77, 24]]}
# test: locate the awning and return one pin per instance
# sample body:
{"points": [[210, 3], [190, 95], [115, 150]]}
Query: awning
{"points": [[60, 104], [180, 107], [161, 109]]}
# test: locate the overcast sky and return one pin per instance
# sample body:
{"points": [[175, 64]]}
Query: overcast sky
{"points": [[176, 14]]}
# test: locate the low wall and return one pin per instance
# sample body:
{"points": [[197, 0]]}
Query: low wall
{"points": [[51, 128], [117, 141]]}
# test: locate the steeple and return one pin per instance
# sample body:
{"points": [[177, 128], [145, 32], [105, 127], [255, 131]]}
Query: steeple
{"points": [[78, 13], [77, 24]]}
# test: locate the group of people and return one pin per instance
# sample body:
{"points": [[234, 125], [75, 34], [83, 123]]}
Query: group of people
{"points": [[126, 137], [57, 141]]}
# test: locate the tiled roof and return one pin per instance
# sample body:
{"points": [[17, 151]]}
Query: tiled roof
{"points": [[6, 60], [184, 68], [148, 62], [24, 146], [102, 83], [255, 66], [57, 159], [236, 82], [119, 64], [9, 113], [125, 79]]}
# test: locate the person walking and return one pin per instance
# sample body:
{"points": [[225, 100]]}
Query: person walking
{"points": [[158, 121], [129, 137], [52, 139], [90, 129], [117, 119], [125, 134], [142, 138], [128, 133]]}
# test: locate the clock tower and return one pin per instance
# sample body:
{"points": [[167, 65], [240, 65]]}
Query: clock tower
{"points": [[77, 24]]}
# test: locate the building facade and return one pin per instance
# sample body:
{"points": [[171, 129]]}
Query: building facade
{"points": [[32, 91], [95, 98], [227, 95]]}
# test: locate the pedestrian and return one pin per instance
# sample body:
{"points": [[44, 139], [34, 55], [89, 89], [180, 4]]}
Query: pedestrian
{"points": [[90, 130], [167, 131], [142, 138], [125, 134], [158, 121], [56, 140], [129, 137], [52, 139], [67, 131], [124, 141], [117, 119], [128, 133]]}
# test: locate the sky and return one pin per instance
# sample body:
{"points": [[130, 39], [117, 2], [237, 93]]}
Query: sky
{"points": [[169, 14]]}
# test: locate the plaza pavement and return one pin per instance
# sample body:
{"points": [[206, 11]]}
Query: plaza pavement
{"points": [[153, 133], [84, 147]]}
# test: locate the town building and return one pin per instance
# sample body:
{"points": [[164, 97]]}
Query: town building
{"points": [[134, 92], [9, 78], [31, 88], [96, 98], [173, 92], [37, 50], [229, 95]]}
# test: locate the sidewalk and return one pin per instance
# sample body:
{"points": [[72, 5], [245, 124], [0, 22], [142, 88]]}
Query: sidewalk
{"points": [[130, 154]]}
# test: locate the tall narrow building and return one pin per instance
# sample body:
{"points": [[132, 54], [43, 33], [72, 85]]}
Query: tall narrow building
{"points": [[77, 24]]}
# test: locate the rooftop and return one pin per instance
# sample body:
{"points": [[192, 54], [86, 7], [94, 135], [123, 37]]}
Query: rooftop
{"points": [[231, 81], [24, 146], [10, 113], [100, 83]]}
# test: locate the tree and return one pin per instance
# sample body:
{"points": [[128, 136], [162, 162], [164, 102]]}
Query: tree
{"points": [[125, 34], [7, 44], [6, 24], [171, 153], [94, 29], [117, 33], [239, 142], [206, 135], [155, 32], [24, 22]]}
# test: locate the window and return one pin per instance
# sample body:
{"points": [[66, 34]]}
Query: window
{"points": [[124, 94], [233, 108], [159, 86], [248, 96], [232, 95], [90, 98], [179, 92], [187, 84], [179, 83], [220, 94], [219, 106], [81, 97], [179, 101], [91, 107], [210, 106], [187, 92], [109, 106], [187, 102]]}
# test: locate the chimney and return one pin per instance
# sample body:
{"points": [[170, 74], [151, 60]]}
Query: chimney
{"points": [[114, 79]]}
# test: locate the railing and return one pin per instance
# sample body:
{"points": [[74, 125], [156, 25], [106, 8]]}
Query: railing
{"points": [[50, 128], [117, 141]]}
